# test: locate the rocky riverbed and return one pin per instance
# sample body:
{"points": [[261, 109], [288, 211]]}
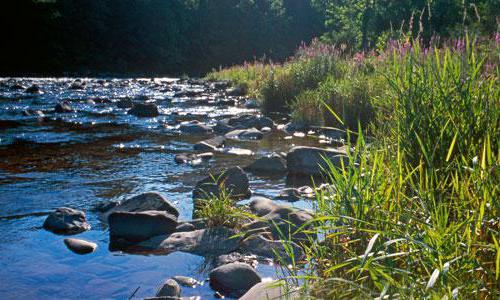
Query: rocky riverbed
{"points": [[99, 179]]}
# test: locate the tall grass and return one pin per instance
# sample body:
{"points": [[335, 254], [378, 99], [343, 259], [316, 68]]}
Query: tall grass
{"points": [[418, 215]]}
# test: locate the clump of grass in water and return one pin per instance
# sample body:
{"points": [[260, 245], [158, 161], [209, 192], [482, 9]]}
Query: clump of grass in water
{"points": [[417, 217], [220, 210]]}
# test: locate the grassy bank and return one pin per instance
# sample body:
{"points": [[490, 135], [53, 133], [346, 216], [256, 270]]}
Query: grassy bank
{"points": [[417, 216]]}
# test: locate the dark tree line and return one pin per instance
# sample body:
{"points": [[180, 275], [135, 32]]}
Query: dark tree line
{"points": [[172, 37], [149, 37]]}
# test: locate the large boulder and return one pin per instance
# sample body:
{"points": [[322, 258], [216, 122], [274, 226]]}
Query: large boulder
{"points": [[273, 164], [204, 242], [170, 288], [80, 246], [234, 279], [65, 220], [245, 134], [145, 110], [210, 144], [233, 180], [144, 202], [270, 290], [135, 227], [309, 161]]}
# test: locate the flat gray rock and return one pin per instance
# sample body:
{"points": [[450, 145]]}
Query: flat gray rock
{"points": [[144, 202], [273, 164], [311, 161], [210, 144], [245, 134]]}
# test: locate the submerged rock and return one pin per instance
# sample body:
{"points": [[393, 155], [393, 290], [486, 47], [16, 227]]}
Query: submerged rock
{"points": [[273, 164], [65, 220], [170, 288], [234, 279], [80, 246], [311, 161], [139, 226], [144, 110]]}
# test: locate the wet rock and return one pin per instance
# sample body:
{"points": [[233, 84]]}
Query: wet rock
{"points": [[34, 89], [63, 107], [186, 281], [236, 151], [262, 206], [170, 288], [80, 246], [144, 202], [245, 134], [192, 158], [236, 91], [204, 242], [274, 249], [195, 128], [331, 132], [265, 129], [293, 127], [249, 121], [270, 290], [125, 103], [219, 85], [235, 257], [222, 127], [144, 110], [251, 103], [210, 144], [311, 161], [65, 220], [183, 227], [17, 87], [234, 180], [234, 279], [77, 85], [289, 194], [272, 164], [139, 226]]}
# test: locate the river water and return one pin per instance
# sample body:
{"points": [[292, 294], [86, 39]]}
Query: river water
{"points": [[97, 154]]}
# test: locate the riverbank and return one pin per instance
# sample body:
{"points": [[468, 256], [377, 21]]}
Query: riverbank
{"points": [[414, 212]]}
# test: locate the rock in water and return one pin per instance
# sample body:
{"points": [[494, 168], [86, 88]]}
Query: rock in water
{"points": [[270, 290], [34, 89], [139, 226], [186, 281], [195, 128], [234, 180], [245, 134], [234, 279], [65, 220], [259, 245], [144, 202], [311, 161], [204, 242], [80, 246], [125, 103], [210, 144], [144, 110], [249, 121], [170, 288], [273, 164], [63, 107]]}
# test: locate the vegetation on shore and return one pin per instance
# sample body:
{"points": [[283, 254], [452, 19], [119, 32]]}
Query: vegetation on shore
{"points": [[417, 214]]}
